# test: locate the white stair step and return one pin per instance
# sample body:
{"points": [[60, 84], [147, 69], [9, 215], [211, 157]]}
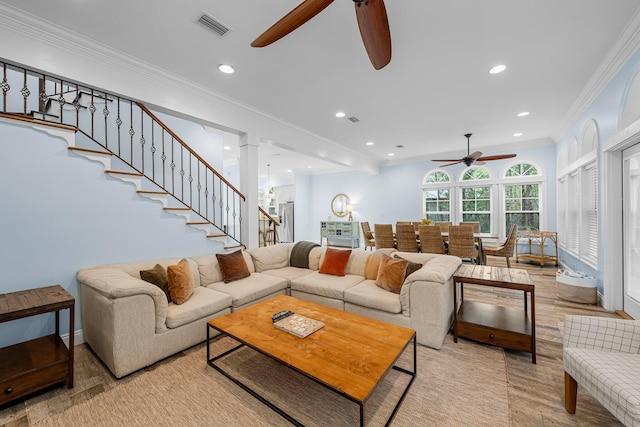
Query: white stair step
{"points": [[183, 212], [161, 196], [103, 157], [132, 177]]}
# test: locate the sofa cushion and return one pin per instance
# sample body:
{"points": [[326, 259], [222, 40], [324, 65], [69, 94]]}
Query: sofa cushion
{"points": [[157, 276], [209, 270], [325, 284], [368, 294], [391, 273], [251, 288], [181, 282], [203, 302], [335, 261], [412, 267], [271, 257], [288, 273], [356, 263], [232, 266]]}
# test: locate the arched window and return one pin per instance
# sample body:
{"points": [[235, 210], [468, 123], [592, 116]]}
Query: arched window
{"points": [[436, 196], [522, 197], [476, 197]]}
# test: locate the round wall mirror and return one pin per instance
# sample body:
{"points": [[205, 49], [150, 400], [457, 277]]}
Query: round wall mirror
{"points": [[339, 205]]}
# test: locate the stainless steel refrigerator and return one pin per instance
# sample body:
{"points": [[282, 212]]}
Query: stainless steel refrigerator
{"points": [[285, 212]]}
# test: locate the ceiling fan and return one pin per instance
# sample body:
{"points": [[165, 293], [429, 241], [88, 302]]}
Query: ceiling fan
{"points": [[475, 157], [372, 21]]}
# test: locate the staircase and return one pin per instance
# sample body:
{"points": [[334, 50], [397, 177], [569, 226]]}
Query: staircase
{"points": [[133, 145]]}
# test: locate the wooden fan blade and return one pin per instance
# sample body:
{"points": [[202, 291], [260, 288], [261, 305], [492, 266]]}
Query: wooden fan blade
{"points": [[496, 157], [454, 163], [447, 160], [374, 29], [476, 155], [292, 20]]}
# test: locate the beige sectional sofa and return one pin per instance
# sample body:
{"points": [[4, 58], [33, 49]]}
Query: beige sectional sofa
{"points": [[129, 324]]}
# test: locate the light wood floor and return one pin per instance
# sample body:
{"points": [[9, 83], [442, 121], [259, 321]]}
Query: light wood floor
{"points": [[536, 392]]}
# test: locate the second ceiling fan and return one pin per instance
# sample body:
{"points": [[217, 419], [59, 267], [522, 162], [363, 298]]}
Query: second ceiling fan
{"points": [[372, 21], [475, 157]]}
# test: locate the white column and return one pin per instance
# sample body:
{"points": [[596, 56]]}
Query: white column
{"points": [[249, 146]]}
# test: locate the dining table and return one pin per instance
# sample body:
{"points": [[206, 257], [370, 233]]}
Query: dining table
{"points": [[477, 237]]}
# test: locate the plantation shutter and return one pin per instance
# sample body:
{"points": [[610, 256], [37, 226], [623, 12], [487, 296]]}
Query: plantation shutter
{"points": [[573, 200], [562, 212], [589, 241]]}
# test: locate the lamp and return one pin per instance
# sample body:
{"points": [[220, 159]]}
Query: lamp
{"points": [[350, 209]]}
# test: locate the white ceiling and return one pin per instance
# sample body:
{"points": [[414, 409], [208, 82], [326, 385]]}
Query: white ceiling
{"points": [[436, 88]]}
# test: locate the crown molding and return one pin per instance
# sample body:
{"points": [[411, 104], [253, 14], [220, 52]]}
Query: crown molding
{"points": [[625, 46]]}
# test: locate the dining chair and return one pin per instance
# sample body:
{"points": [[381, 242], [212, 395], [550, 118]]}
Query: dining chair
{"points": [[474, 224], [416, 225], [444, 225], [462, 243], [369, 241], [504, 250], [383, 234], [431, 240], [406, 240]]}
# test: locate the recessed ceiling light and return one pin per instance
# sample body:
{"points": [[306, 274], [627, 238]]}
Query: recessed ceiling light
{"points": [[390, 154], [226, 147], [523, 114], [498, 69], [289, 170], [227, 69], [518, 134], [370, 143], [340, 114], [309, 167]]}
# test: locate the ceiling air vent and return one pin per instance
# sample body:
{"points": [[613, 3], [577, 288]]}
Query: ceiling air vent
{"points": [[353, 119], [213, 24]]}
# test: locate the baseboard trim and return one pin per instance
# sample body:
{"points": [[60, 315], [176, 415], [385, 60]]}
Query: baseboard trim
{"points": [[78, 338]]}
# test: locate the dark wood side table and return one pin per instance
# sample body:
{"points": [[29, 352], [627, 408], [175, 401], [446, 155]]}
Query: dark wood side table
{"points": [[507, 327], [33, 365]]}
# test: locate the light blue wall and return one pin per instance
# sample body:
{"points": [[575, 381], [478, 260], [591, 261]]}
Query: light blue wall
{"points": [[61, 212], [395, 195], [606, 110]]}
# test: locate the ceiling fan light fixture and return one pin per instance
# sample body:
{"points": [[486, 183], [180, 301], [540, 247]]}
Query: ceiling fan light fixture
{"points": [[497, 69]]}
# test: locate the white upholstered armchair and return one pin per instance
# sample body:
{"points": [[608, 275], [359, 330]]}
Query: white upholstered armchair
{"points": [[602, 355]]}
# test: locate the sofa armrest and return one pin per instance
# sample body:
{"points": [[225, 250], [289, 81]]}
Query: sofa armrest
{"points": [[601, 333], [114, 283]]}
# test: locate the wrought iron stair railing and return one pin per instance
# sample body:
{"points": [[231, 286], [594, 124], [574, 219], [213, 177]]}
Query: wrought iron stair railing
{"points": [[134, 135]]}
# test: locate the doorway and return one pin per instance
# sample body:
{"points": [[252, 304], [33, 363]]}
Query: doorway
{"points": [[631, 230]]}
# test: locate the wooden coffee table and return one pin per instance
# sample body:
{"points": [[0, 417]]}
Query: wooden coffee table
{"points": [[507, 327], [368, 348]]}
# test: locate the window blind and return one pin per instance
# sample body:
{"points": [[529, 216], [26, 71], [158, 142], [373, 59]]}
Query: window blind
{"points": [[589, 211]]}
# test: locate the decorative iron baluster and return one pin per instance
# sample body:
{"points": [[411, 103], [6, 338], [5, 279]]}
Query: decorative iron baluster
{"points": [[105, 113], [199, 188], [77, 105], [119, 123], [153, 154], [182, 172], [61, 101], [206, 193], [142, 140], [25, 92], [6, 87], [173, 167], [42, 94], [190, 180], [163, 157], [131, 131], [92, 108]]}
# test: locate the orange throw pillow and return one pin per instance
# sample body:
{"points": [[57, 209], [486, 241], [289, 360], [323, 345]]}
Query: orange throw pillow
{"points": [[233, 266], [391, 273], [335, 261], [181, 282]]}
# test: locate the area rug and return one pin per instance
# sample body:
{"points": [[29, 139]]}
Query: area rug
{"points": [[461, 384]]}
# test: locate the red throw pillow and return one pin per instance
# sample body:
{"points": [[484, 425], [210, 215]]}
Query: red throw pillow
{"points": [[335, 261]]}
